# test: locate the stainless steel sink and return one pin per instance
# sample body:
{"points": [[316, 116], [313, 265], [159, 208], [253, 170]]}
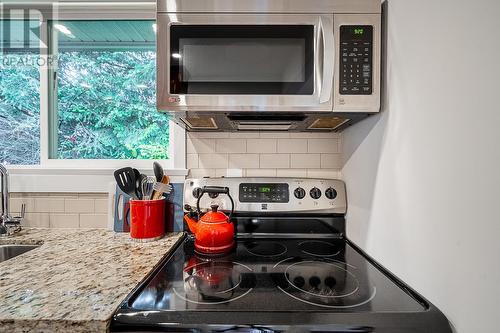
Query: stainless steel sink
{"points": [[10, 251]]}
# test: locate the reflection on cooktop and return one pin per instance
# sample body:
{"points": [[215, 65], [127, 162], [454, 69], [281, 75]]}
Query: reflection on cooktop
{"points": [[271, 276], [265, 248], [318, 248]]}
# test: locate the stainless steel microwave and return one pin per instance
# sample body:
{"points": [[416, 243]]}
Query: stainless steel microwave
{"points": [[268, 64]]}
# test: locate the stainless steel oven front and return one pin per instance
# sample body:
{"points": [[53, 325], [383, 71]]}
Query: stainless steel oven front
{"points": [[241, 62]]}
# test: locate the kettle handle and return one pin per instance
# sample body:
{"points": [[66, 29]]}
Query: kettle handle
{"points": [[217, 190]]}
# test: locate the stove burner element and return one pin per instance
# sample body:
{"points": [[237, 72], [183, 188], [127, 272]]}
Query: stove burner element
{"points": [[329, 284], [318, 248], [213, 282], [321, 287], [265, 249]]}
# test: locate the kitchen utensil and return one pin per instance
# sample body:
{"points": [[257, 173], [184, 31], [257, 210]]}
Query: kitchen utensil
{"points": [[162, 188], [214, 232], [125, 178], [147, 184], [138, 181], [121, 216], [158, 171], [164, 180], [147, 219]]}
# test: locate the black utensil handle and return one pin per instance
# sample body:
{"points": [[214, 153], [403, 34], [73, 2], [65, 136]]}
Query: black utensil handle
{"points": [[215, 189]]}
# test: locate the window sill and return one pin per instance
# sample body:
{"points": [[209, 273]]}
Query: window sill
{"points": [[71, 180]]}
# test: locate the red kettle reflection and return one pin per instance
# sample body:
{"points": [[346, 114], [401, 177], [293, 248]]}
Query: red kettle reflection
{"points": [[209, 279]]}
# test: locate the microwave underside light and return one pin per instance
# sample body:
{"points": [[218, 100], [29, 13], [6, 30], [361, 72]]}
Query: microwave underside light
{"points": [[327, 123], [201, 123]]}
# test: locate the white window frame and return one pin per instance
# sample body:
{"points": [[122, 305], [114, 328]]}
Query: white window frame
{"points": [[89, 175]]}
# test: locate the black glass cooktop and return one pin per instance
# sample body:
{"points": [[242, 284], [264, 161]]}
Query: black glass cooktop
{"points": [[283, 275]]}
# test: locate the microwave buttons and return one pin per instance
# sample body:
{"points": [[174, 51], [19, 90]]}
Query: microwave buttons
{"points": [[356, 66]]}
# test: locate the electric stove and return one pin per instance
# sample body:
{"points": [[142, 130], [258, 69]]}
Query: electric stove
{"points": [[292, 269]]}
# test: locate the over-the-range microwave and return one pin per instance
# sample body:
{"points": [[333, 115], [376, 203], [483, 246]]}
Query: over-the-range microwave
{"points": [[290, 65]]}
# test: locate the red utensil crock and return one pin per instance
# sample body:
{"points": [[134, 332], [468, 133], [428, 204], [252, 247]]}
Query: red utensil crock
{"points": [[147, 219]]}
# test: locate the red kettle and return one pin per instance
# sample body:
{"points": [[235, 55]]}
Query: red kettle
{"points": [[213, 231]]}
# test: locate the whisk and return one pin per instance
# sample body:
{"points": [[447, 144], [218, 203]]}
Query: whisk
{"points": [[147, 187]]}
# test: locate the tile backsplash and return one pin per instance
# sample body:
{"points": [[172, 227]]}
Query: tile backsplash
{"points": [[62, 210], [265, 154], [248, 154]]}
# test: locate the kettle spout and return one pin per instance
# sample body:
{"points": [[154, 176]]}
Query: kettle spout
{"points": [[193, 226]]}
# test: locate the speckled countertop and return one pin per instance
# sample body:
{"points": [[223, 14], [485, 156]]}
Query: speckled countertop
{"points": [[75, 280]]}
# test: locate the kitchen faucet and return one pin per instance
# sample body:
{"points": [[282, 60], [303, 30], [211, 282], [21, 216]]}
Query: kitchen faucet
{"points": [[8, 224]]}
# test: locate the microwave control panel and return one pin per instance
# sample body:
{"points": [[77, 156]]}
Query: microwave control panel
{"points": [[356, 68]]}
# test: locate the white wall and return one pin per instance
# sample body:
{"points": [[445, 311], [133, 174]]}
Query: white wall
{"points": [[424, 176]]}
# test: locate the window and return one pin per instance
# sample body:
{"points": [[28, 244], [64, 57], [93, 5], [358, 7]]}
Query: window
{"points": [[19, 94], [105, 92], [77, 96]]}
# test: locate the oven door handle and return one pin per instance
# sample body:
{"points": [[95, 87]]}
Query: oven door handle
{"points": [[325, 58]]}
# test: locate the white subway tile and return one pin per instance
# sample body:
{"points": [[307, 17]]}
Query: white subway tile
{"points": [[220, 172], [274, 135], [323, 145], [323, 173], [260, 173], [244, 135], [274, 161], [291, 173], [62, 195], [305, 161], [49, 205], [213, 161], [199, 173], [79, 206], [15, 204], [194, 145], [91, 195], [93, 221], [64, 220], [36, 220], [231, 145], [315, 135], [244, 161], [292, 146], [208, 135], [191, 161], [101, 206], [331, 161], [261, 145], [234, 172]]}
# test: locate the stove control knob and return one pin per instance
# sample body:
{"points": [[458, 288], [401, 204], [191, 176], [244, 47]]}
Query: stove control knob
{"points": [[299, 193], [331, 193], [196, 192], [315, 193]]}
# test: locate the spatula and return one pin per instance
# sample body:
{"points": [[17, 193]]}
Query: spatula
{"points": [[158, 170], [125, 178]]}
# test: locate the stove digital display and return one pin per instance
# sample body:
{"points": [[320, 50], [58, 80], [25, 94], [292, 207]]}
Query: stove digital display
{"points": [[256, 192], [264, 189]]}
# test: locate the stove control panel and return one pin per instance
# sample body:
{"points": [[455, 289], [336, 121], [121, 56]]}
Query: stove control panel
{"points": [[263, 192], [285, 195]]}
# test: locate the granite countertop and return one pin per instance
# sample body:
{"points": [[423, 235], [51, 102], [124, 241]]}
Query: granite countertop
{"points": [[75, 280]]}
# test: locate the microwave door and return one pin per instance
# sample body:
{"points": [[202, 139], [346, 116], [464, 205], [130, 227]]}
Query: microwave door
{"points": [[244, 62]]}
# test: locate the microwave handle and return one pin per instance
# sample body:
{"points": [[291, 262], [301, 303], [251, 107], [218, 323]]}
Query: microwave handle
{"points": [[325, 59]]}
